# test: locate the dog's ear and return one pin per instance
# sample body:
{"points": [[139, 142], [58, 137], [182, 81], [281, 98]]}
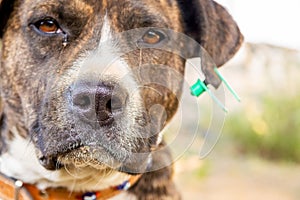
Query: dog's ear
{"points": [[212, 26], [6, 7]]}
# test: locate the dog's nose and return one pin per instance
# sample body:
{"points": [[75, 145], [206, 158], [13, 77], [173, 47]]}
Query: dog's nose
{"points": [[95, 102]]}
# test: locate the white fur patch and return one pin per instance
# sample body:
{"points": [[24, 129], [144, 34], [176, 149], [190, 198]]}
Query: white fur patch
{"points": [[106, 30]]}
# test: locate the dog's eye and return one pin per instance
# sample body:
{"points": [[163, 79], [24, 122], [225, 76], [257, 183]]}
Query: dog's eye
{"points": [[153, 37], [47, 26]]}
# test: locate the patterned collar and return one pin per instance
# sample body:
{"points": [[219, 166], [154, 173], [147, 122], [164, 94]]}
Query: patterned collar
{"points": [[11, 189]]}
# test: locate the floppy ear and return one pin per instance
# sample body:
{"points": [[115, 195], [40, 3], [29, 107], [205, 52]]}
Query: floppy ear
{"points": [[212, 26], [6, 7]]}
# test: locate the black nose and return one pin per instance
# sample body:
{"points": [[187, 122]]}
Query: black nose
{"points": [[96, 103]]}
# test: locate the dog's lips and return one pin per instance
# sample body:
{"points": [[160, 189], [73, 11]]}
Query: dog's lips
{"points": [[50, 163], [84, 156]]}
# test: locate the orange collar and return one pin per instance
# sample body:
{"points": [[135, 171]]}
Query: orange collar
{"points": [[16, 190]]}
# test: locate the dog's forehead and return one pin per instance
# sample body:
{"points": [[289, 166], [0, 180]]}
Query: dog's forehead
{"points": [[125, 11], [78, 6], [96, 6]]}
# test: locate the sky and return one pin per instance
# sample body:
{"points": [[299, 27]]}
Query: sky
{"points": [[270, 21]]}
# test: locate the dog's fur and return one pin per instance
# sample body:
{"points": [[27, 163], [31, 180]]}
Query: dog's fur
{"points": [[44, 141]]}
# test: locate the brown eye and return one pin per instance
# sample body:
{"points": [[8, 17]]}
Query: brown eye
{"points": [[153, 37], [47, 26]]}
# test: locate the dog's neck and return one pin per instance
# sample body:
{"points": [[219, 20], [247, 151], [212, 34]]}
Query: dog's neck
{"points": [[18, 162]]}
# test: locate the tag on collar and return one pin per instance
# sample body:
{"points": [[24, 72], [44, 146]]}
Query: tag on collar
{"points": [[214, 78]]}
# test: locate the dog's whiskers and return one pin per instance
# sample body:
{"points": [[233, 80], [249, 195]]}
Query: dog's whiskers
{"points": [[58, 165], [107, 173], [68, 171], [72, 189]]}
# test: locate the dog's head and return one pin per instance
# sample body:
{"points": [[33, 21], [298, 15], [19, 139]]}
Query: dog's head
{"points": [[65, 84]]}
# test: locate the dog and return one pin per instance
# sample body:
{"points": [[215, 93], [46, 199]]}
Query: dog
{"points": [[68, 129]]}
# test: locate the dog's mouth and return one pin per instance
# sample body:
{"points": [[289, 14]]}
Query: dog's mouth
{"points": [[84, 156], [80, 156]]}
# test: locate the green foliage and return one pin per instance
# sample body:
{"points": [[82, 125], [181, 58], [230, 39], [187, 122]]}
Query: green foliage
{"points": [[203, 171], [269, 128]]}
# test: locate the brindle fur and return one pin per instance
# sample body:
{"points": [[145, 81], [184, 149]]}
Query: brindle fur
{"points": [[34, 104]]}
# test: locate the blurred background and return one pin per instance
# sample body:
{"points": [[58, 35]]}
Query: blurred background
{"points": [[258, 153]]}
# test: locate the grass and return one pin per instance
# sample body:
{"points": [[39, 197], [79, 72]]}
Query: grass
{"points": [[269, 128]]}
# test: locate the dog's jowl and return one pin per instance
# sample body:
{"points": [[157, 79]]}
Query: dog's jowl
{"points": [[86, 88]]}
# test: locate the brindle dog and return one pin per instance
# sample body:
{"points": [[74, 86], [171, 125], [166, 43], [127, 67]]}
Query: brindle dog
{"points": [[47, 107]]}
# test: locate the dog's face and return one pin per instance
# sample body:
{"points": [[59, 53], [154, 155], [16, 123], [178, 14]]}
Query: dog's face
{"points": [[77, 110], [65, 85]]}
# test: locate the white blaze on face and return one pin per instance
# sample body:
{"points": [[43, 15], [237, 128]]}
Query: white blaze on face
{"points": [[106, 65], [105, 62], [106, 30], [108, 51]]}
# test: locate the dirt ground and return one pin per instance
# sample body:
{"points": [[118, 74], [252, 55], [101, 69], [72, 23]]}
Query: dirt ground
{"points": [[224, 176]]}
